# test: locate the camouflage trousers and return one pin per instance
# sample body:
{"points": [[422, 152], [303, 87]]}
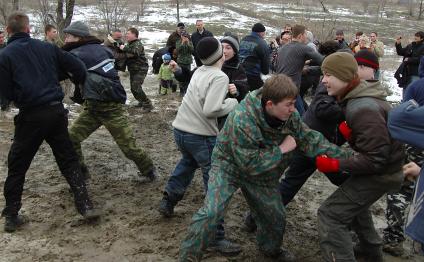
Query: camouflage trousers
{"points": [[136, 82], [348, 208], [263, 199], [113, 116], [398, 202]]}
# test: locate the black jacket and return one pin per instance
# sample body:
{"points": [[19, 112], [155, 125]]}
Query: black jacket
{"points": [[254, 55], [157, 59], [237, 76], [324, 115], [30, 71], [102, 83], [413, 52], [196, 37]]}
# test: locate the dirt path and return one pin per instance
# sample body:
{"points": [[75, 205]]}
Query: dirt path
{"points": [[131, 229]]}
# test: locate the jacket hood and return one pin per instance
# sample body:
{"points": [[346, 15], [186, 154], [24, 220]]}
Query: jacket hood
{"points": [[367, 89]]}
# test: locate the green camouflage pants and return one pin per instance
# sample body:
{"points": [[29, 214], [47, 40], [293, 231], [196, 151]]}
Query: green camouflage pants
{"points": [[265, 204], [348, 208], [112, 116], [136, 82]]}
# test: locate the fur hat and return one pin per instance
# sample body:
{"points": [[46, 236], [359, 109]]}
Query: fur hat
{"points": [[77, 28], [342, 65], [232, 40], [367, 58], [209, 50], [258, 28]]}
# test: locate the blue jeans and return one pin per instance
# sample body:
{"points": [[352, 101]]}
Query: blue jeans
{"points": [[196, 151]]}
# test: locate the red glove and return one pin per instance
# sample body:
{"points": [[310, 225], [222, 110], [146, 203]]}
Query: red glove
{"points": [[327, 164], [345, 130]]}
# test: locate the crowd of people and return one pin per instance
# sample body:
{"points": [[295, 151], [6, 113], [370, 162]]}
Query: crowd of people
{"points": [[243, 130]]}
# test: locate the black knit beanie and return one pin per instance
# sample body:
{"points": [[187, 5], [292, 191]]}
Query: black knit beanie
{"points": [[258, 28], [367, 58], [209, 50]]}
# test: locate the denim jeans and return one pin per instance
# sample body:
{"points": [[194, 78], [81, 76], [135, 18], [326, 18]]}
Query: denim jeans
{"points": [[300, 169], [196, 151]]}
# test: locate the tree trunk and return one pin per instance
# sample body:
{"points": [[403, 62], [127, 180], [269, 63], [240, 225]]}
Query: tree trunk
{"points": [[15, 5], [178, 11], [63, 21], [421, 10], [323, 6]]}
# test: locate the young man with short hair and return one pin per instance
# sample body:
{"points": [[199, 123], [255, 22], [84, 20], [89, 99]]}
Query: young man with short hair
{"points": [[374, 169], [41, 117], [51, 36], [251, 152], [138, 67]]}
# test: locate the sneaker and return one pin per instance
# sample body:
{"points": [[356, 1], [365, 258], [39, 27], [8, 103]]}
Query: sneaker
{"points": [[166, 206], [250, 223], [395, 249], [13, 222], [225, 247], [151, 175]]}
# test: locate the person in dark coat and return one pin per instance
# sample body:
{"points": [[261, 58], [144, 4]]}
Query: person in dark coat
{"points": [[30, 71], [172, 39], [200, 33], [411, 56]]}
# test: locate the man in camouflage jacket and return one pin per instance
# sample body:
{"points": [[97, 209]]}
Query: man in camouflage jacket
{"points": [[251, 153], [137, 66]]}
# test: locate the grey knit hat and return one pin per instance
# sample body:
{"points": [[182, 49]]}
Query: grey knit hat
{"points": [[209, 50], [77, 28], [231, 40]]}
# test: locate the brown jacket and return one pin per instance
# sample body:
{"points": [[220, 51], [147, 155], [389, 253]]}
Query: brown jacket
{"points": [[366, 111]]}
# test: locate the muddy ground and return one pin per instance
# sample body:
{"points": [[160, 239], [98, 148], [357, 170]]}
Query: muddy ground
{"points": [[131, 229]]}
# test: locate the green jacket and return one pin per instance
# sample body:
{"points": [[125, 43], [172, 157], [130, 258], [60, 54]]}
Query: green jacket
{"points": [[136, 59], [184, 52], [165, 73], [249, 147]]}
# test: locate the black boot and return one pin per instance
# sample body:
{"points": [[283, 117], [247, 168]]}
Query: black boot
{"points": [[250, 223], [166, 206], [81, 198], [13, 222], [371, 253]]}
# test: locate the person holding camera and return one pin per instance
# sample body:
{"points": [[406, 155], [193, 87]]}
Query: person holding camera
{"points": [[184, 48], [411, 56]]}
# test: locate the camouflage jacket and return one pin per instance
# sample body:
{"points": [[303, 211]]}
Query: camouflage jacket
{"points": [[249, 147], [136, 60], [184, 52]]}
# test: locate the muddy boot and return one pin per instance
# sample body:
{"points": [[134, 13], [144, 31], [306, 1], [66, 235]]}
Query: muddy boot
{"points": [[395, 249], [13, 222], [225, 247], [147, 108], [283, 256], [82, 201], [368, 253], [166, 206], [152, 175], [250, 223]]}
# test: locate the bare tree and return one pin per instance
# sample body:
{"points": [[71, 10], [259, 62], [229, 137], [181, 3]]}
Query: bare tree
{"points": [[421, 10], [64, 13], [6, 7], [411, 7], [43, 11], [141, 7], [15, 5], [114, 12], [323, 6]]}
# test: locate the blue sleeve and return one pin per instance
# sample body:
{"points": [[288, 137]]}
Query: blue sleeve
{"points": [[72, 66], [406, 123], [421, 67], [6, 79]]}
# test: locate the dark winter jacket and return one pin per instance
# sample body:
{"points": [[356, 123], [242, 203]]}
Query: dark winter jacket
{"points": [[324, 114], [366, 111], [118, 54], [413, 52], [342, 44], [237, 76], [254, 55], [157, 59], [172, 39], [196, 37], [102, 82], [415, 91], [421, 68], [30, 71]]}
